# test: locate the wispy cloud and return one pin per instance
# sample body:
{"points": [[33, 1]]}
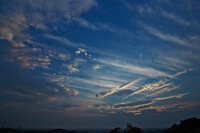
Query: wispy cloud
{"points": [[170, 37], [175, 18], [95, 67], [14, 27], [128, 105], [132, 104], [147, 71], [65, 41], [151, 87], [100, 26], [166, 37], [175, 96], [85, 23], [94, 82], [163, 90], [113, 90], [170, 107], [80, 50]]}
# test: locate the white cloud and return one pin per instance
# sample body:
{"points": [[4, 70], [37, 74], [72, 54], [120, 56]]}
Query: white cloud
{"points": [[163, 90], [71, 68], [147, 71], [132, 104], [175, 18], [170, 107], [113, 90], [85, 23], [170, 38], [14, 25], [80, 50], [95, 67], [151, 87], [175, 96], [65, 41]]}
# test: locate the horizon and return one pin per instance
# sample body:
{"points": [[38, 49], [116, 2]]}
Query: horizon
{"points": [[99, 63]]}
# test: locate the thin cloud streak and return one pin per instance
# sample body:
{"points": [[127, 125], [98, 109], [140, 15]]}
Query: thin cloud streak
{"points": [[158, 85], [152, 86], [175, 18], [65, 41], [113, 90], [167, 37], [147, 71], [163, 90], [175, 96], [132, 104], [170, 107]]}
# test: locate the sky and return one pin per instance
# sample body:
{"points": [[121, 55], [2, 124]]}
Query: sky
{"points": [[99, 63]]}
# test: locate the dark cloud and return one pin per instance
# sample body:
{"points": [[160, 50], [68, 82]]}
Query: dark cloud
{"points": [[20, 87], [123, 92]]}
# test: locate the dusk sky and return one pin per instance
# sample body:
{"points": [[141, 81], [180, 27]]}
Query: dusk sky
{"points": [[99, 63]]}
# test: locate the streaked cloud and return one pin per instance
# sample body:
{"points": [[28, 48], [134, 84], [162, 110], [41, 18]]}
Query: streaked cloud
{"points": [[175, 18], [170, 37], [163, 90], [167, 37], [65, 41], [71, 68], [132, 104], [170, 107], [85, 23], [80, 50], [113, 90], [147, 71], [151, 87], [123, 92], [174, 96], [95, 67]]}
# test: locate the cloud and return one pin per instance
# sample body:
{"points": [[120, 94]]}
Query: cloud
{"points": [[95, 67], [170, 107], [163, 90], [80, 50], [93, 82], [41, 13], [151, 87], [113, 90], [23, 88], [100, 26], [85, 23], [123, 92], [178, 63], [180, 73], [71, 68], [175, 18], [132, 104], [175, 96], [147, 71], [65, 41], [16, 21], [156, 86], [167, 37], [10, 28]]}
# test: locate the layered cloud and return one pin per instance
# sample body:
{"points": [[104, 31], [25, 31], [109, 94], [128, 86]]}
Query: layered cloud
{"points": [[147, 71], [20, 88], [170, 107], [132, 104], [113, 90]]}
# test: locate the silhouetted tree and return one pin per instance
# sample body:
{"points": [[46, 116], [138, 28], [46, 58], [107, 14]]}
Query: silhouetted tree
{"points": [[116, 130], [191, 125], [130, 129]]}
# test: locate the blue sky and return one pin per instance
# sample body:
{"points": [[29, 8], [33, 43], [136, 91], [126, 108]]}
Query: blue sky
{"points": [[99, 63]]}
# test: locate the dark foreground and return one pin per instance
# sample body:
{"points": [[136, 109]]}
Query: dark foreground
{"points": [[191, 125]]}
